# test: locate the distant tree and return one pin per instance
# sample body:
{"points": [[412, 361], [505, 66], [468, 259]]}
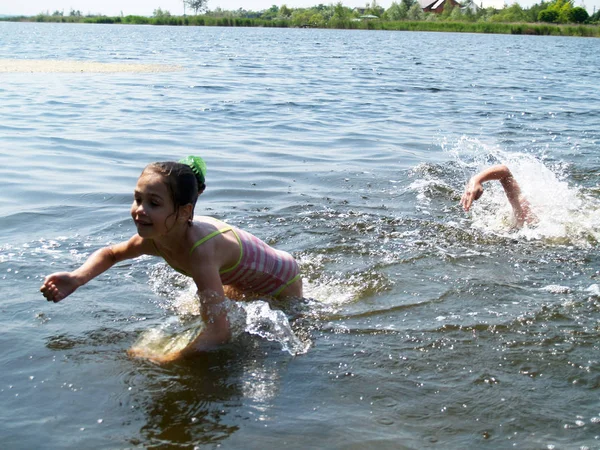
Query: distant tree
{"points": [[578, 15], [415, 12], [396, 12], [301, 18], [317, 20], [241, 12], [448, 8], [562, 7], [468, 15], [340, 11], [327, 13], [160, 14], [217, 12], [341, 16], [374, 9], [512, 13], [197, 5], [285, 12], [456, 15], [531, 14], [408, 3], [270, 13], [548, 15]]}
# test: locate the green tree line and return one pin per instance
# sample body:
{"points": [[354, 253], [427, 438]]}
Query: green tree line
{"points": [[557, 17]]}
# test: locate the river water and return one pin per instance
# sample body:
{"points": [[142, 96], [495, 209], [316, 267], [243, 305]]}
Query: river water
{"points": [[423, 326]]}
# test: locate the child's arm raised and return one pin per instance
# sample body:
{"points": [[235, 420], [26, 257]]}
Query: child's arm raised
{"points": [[59, 285]]}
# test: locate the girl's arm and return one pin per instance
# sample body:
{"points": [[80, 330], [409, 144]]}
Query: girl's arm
{"points": [[501, 173], [205, 273], [59, 285]]}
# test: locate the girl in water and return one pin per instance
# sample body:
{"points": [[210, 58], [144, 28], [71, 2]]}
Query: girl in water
{"points": [[221, 259], [520, 205]]}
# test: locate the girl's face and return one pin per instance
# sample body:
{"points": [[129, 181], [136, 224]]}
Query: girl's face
{"points": [[152, 210]]}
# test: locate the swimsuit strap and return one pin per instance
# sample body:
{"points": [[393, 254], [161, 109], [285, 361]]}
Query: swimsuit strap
{"points": [[221, 231], [281, 288], [229, 269], [209, 236]]}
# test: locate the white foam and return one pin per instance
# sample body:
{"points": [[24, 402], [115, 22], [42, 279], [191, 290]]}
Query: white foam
{"points": [[565, 213], [594, 290], [556, 289]]}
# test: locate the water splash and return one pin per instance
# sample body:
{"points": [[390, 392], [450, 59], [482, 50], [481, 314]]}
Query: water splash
{"points": [[273, 325], [179, 294], [168, 339], [332, 292], [556, 289], [567, 214], [594, 290], [335, 288]]}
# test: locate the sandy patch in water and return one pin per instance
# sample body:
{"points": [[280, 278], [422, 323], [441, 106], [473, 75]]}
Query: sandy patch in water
{"points": [[64, 66]]}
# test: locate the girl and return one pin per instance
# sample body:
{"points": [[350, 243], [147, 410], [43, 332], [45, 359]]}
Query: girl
{"points": [[519, 204], [216, 255]]}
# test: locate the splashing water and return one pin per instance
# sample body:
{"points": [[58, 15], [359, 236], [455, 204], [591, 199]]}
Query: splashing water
{"points": [[255, 318], [333, 289], [566, 214], [168, 339], [273, 325]]}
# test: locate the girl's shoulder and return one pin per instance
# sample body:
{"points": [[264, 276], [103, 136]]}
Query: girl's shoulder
{"points": [[208, 221], [134, 247], [205, 225], [204, 229]]}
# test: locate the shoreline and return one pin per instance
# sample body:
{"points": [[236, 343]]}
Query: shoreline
{"points": [[518, 28]]}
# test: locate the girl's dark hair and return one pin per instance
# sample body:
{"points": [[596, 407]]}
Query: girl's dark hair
{"points": [[182, 183]]}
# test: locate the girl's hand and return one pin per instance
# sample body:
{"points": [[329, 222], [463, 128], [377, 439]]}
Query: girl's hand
{"points": [[58, 286], [473, 191]]}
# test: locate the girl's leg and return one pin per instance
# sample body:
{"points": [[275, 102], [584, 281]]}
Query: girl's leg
{"points": [[294, 290]]}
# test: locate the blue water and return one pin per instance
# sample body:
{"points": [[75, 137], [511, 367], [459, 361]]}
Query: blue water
{"points": [[423, 327]]}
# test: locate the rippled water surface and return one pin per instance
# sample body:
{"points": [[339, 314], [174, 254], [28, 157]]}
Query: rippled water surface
{"points": [[423, 327]]}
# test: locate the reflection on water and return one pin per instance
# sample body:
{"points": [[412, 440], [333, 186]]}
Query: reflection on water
{"points": [[202, 399], [191, 404]]}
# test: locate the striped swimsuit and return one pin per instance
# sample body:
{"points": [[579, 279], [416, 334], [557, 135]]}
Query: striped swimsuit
{"points": [[260, 269]]}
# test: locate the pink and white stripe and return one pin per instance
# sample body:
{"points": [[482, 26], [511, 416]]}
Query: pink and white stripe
{"points": [[262, 269]]}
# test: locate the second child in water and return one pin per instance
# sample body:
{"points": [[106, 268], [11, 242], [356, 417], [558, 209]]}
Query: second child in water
{"points": [[220, 258], [518, 202]]}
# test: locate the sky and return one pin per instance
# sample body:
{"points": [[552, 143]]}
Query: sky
{"points": [[175, 7]]}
